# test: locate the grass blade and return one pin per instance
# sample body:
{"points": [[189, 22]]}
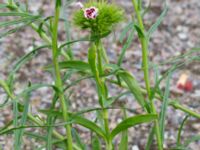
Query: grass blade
{"points": [[178, 143], [150, 138], [157, 23], [125, 47], [20, 14], [23, 119], [164, 106], [134, 88], [15, 123], [5, 86], [124, 137], [139, 31], [132, 121], [75, 64], [18, 21], [96, 144], [125, 31], [78, 139], [89, 125]]}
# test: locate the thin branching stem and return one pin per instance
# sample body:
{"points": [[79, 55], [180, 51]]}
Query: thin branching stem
{"points": [[58, 80], [145, 66]]}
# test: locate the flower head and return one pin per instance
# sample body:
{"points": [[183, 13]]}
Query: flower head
{"points": [[91, 13], [99, 17]]}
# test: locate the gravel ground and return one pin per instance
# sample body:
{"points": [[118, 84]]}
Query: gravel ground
{"points": [[179, 32]]}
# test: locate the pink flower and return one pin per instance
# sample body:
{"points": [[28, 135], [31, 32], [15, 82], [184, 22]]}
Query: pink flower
{"points": [[91, 13]]}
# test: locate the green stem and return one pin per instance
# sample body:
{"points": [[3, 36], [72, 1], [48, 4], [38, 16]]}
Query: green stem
{"points": [[106, 126], [176, 105], [58, 80], [145, 67], [105, 111], [144, 45]]}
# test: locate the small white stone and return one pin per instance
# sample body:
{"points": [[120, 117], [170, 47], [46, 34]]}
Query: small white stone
{"points": [[135, 147], [182, 36]]}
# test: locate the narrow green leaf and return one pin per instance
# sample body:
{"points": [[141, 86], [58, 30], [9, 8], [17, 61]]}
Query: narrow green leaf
{"points": [[132, 121], [15, 124], [20, 14], [89, 125], [178, 142], [23, 119], [50, 121], [157, 23], [125, 47], [74, 64], [164, 106], [150, 138], [125, 31], [35, 135], [50, 112], [134, 88], [18, 21], [44, 22], [139, 31], [77, 138], [96, 144], [5, 86]]}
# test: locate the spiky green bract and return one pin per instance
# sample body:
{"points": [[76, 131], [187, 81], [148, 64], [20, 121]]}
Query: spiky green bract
{"points": [[108, 16]]}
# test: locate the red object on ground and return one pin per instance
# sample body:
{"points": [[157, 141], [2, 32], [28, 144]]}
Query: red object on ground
{"points": [[184, 83], [187, 86]]}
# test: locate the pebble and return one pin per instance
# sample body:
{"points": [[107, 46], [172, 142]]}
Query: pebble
{"points": [[183, 36], [135, 147]]}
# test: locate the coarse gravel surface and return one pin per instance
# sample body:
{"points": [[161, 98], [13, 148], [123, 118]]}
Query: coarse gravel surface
{"points": [[177, 34]]}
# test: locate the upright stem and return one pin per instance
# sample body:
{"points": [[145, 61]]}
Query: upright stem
{"points": [[145, 67], [105, 111], [58, 80], [106, 126]]}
